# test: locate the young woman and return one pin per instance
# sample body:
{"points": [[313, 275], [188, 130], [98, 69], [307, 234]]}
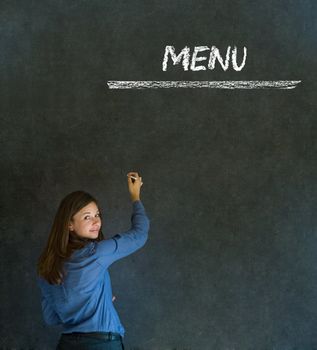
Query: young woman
{"points": [[73, 270]]}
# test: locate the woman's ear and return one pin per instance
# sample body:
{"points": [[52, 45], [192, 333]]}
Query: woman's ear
{"points": [[70, 227]]}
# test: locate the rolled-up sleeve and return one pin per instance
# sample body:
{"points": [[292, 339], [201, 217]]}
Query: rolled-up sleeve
{"points": [[127, 242]]}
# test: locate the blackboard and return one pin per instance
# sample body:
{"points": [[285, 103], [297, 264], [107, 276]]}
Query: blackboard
{"points": [[229, 174]]}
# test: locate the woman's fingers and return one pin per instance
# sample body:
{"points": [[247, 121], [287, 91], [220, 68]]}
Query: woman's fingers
{"points": [[134, 176], [134, 184], [133, 173]]}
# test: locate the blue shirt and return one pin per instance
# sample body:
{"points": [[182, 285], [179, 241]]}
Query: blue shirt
{"points": [[83, 302]]}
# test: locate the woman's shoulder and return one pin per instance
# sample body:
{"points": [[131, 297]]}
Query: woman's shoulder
{"points": [[88, 250]]}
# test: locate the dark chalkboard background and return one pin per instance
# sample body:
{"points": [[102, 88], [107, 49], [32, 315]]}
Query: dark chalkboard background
{"points": [[229, 175]]}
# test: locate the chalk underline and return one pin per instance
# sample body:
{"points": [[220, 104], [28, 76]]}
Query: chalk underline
{"points": [[216, 84]]}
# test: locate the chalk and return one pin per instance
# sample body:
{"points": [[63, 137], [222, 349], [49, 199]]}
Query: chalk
{"points": [[214, 55], [227, 84]]}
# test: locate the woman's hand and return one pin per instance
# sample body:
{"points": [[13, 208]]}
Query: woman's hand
{"points": [[134, 185]]}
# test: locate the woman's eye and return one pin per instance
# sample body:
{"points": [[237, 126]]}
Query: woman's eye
{"points": [[86, 217], [98, 215]]}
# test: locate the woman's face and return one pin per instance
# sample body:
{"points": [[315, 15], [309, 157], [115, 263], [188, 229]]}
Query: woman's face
{"points": [[86, 223]]}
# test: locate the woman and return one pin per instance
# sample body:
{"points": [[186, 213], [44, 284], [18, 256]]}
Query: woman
{"points": [[73, 270]]}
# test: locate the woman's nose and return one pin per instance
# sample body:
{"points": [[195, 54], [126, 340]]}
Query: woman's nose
{"points": [[96, 220]]}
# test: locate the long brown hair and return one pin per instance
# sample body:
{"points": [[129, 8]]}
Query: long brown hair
{"points": [[61, 243]]}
